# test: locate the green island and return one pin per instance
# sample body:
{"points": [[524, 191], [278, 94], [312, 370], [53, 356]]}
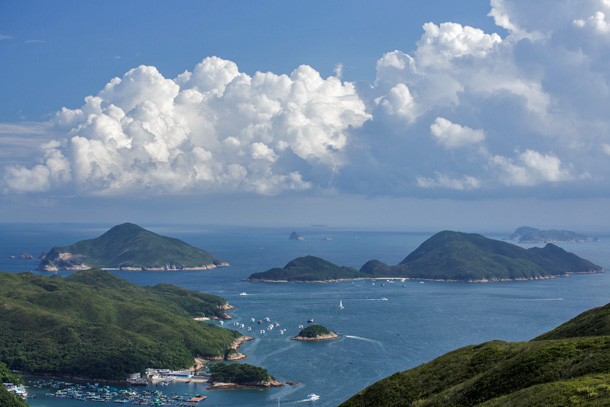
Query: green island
{"points": [[93, 324], [528, 234], [129, 247], [568, 366], [239, 375], [307, 269], [446, 256], [315, 332], [8, 399]]}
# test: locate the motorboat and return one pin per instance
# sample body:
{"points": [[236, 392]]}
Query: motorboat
{"points": [[312, 397], [341, 304]]}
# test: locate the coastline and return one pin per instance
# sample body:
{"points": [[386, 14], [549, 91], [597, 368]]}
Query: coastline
{"points": [[320, 338], [493, 280]]}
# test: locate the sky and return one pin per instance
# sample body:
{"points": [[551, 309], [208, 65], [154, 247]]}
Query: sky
{"points": [[411, 115]]}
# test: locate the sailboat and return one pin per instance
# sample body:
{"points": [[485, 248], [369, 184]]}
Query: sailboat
{"points": [[341, 304]]}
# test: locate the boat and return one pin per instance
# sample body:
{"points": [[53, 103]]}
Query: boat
{"points": [[312, 397], [244, 293], [341, 304], [383, 299]]}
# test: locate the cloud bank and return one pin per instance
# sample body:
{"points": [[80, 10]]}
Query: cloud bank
{"points": [[464, 111]]}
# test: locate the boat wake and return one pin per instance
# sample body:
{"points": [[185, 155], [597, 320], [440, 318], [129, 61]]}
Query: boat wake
{"points": [[540, 299], [364, 339]]}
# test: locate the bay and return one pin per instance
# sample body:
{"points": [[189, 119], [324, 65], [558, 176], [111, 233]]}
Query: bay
{"points": [[379, 337]]}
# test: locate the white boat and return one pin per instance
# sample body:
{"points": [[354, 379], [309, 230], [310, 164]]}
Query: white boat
{"points": [[313, 397], [244, 293], [341, 304], [383, 299]]}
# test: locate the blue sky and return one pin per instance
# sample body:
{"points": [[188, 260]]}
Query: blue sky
{"points": [[403, 114]]}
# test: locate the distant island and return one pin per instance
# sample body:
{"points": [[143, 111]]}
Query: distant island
{"points": [[306, 269], [446, 256], [295, 236], [93, 324], [129, 247], [567, 366], [315, 333], [527, 234]]}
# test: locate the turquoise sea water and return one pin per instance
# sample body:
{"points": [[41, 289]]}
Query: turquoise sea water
{"points": [[416, 323]]}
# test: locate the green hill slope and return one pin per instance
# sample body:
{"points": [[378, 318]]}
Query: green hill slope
{"points": [[448, 256], [307, 269], [571, 371], [94, 324], [471, 257], [129, 246]]}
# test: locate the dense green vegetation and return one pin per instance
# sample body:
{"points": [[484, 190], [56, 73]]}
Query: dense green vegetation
{"points": [[307, 269], [451, 256], [8, 399], [238, 373], [313, 331], [94, 324], [526, 234], [566, 371], [129, 246]]}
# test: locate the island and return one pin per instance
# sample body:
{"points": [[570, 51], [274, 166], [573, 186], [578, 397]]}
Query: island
{"points": [[567, 366], [130, 247], [446, 256], [527, 234], [295, 236], [95, 325], [239, 376], [315, 333], [307, 269]]}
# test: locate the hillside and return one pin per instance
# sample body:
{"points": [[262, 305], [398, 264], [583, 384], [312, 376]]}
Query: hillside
{"points": [[93, 324], [527, 234], [307, 269], [571, 371], [446, 256], [129, 246]]}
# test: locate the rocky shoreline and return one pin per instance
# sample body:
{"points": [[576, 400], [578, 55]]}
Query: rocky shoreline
{"points": [[327, 337]]}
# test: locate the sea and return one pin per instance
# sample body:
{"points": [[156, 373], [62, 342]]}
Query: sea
{"points": [[385, 326]]}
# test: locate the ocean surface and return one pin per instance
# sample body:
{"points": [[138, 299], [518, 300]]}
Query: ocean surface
{"points": [[384, 329]]}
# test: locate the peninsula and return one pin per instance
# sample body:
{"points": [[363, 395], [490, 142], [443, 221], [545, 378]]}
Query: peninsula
{"points": [[527, 234], [446, 256], [567, 366], [130, 247], [93, 324]]}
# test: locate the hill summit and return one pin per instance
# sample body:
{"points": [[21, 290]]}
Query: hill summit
{"points": [[130, 247]]}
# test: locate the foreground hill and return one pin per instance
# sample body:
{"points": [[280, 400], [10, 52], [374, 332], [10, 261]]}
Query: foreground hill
{"points": [[307, 269], [129, 246], [446, 256], [527, 234], [93, 324], [568, 371]]}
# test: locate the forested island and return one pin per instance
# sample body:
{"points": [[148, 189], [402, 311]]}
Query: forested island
{"points": [[95, 325], [568, 366], [130, 247], [527, 234], [315, 332], [446, 256], [239, 375]]}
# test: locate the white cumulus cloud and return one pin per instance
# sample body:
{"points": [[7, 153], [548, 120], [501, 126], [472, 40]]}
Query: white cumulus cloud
{"points": [[213, 129], [451, 135]]}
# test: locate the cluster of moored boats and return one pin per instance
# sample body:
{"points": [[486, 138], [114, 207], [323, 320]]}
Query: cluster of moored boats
{"points": [[95, 392]]}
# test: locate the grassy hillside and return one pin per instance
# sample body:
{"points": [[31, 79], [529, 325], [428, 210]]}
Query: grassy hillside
{"points": [[451, 256], [307, 269], [96, 325], [570, 371], [130, 246]]}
